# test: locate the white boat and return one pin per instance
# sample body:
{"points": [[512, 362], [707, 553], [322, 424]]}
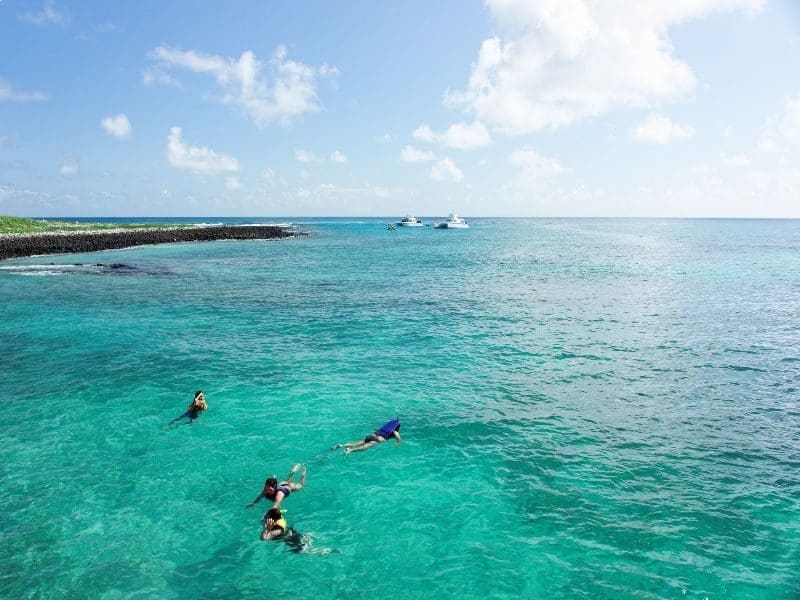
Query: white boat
{"points": [[453, 222], [410, 221]]}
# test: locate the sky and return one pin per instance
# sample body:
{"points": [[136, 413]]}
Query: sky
{"points": [[663, 108]]}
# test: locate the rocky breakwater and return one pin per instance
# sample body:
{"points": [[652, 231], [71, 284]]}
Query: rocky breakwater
{"points": [[15, 245]]}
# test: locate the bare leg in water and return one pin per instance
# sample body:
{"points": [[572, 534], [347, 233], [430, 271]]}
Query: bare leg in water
{"points": [[189, 414]]}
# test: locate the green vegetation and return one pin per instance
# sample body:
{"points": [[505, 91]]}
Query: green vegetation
{"points": [[24, 225]]}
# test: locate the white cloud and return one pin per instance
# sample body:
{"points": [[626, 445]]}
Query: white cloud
{"points": [[69, 167], [557, 62], [423, 133], [272, 178], [281, 91], [151, 77], [23, 200], [412, 154], [338, 157], [462, 136], [790, 119], [783, 130], [534, 181], [382, 139], [232, 183], [767, 145], [198, 159], [739, 160], [535, 166], [49, 15], [658, 129], [769, 191], [363, 197], [446, 170], [9, 94], [466, 136], [304, 156], [107, 27], [117, 126]]}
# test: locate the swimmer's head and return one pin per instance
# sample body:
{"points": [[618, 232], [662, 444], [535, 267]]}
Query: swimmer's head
{"points": [[273, 513], [269, 486], [198, 393]]}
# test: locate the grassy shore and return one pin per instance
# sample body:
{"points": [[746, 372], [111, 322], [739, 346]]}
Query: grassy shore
{"points": [[25, 225]]}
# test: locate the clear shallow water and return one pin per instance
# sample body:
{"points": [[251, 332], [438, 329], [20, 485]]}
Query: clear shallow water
{"points": [[591, 408]]}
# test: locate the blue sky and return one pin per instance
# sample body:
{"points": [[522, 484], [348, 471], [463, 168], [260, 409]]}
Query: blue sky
{"points": [[503, 108]]}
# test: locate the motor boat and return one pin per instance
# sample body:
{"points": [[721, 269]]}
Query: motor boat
{"points": [[453, 222], [410, 221]]}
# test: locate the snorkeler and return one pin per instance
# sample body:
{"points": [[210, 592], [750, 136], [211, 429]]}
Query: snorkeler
{"points": [[275, 528], [274, 525], [389, 430], [197, 406], [278, 491]]}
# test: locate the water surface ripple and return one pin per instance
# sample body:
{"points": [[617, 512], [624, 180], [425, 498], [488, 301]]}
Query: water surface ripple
{"points": [[591, 409]]}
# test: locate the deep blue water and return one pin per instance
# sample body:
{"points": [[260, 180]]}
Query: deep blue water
{"points": [[591, 408]]}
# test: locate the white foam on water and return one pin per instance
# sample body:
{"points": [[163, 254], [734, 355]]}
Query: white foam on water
{"points": [[54, 269], [266, 225]]}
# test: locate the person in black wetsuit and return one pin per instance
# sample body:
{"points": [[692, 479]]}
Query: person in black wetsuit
{"points": [[197, 406], [389, 430], [275, 528], [274, 525], [278, 491]]}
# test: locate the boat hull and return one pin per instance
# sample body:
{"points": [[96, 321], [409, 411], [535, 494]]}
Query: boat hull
{"points": [[452, 226], [453, 222]]}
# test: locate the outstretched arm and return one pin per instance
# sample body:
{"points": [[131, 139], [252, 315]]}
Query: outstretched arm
{"points": [[257, 498]]}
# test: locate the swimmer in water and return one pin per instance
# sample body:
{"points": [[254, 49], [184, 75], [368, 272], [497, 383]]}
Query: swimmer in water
{"points": [[197, 406], [275, 528], [278, 491], [274, 525], [389, 430]]}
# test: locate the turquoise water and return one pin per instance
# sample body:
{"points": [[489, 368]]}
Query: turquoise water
{"points": [[591, 409]]}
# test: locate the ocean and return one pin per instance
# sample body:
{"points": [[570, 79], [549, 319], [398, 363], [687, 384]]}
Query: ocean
{"points": [[590, 408]]}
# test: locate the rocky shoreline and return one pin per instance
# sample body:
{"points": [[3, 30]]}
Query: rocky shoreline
{"points": [[18, 245]]}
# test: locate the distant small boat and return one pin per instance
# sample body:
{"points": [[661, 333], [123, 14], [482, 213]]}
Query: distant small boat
{"points": [[410, 221], [453, 222]]}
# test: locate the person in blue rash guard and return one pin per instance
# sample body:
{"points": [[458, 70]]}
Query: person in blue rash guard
{"points": [[389, 430], [278, 491]]}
